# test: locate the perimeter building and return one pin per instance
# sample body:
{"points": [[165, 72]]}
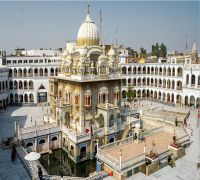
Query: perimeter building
{"points": [[175, 80], [25, 75]]}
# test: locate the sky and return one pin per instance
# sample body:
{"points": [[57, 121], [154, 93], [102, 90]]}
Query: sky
{"points": [[49, 24]]}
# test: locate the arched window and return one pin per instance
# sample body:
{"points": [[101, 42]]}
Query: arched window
{"points": [[187, 79], [42, 141], [54, 138], [100, 121], [83, 153], [124, 70], [31, 85], [111, 121], [193, 80]]}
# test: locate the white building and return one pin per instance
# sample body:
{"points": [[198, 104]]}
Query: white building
{"points": [[4, 89], [170, 82], [28, 79]]}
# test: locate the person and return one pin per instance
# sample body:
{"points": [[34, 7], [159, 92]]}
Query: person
{"points": [[61, 176], [13, 154], [40, 172]]}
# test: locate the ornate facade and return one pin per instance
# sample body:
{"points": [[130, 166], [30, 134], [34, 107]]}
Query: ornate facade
{"points": [[85, 96]]}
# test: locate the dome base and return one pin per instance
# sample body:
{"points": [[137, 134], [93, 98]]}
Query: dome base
{"points": [[87, 42]]}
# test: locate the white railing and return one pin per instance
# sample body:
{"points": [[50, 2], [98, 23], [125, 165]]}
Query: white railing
{"points": [[26, 133], [165, 154], [153, 131], [134, 160], [108, 159], [117, 143], [75, 137], [115, 163]]}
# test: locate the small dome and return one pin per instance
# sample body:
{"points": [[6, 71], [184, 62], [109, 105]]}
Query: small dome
{"points": [[111, 52], [83, 51], [65, 53], [137, 126], [69, 58]]}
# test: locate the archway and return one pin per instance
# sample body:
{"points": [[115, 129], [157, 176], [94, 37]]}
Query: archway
{"points": [[192, 101], [83, 153], [193, 80], [155, 94], [67, 119], [11, 98], [111, 121], [100, 121], [41, 144], [168, 97], [198, 103], [178, 99], [186, 101], [111, 140], [72, 150], [29, 147]]}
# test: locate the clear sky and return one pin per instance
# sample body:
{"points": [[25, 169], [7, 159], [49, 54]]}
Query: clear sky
{"points": [[34, 25]]}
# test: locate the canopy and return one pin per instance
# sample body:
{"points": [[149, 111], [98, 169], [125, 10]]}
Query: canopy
{"points": [[32, 156]]}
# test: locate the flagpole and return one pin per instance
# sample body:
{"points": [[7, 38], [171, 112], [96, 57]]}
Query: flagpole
{"points": [[100, 33]]}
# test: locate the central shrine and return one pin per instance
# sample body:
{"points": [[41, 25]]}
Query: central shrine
{"points": [[85, 96]]}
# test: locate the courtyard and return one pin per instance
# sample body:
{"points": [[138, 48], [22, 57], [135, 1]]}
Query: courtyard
{"points": [[186, 167]]}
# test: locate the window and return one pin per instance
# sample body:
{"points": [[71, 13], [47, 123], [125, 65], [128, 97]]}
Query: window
{"points": [[30, 61], [8, 62], [41, 61], [19, 61], [14, 62], [129, 173], [36, 61], [25, 61], [136, 170]]}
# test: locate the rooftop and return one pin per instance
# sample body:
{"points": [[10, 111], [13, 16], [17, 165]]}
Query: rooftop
{"points": [[161, 139]]}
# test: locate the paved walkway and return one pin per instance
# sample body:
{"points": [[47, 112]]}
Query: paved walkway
{"points": [[10, 170], [22, 115]]}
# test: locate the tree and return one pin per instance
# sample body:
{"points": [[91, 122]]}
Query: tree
{"points": [[130, 94], [153, 50], [163, 50], [159, 50], [143, 52]]}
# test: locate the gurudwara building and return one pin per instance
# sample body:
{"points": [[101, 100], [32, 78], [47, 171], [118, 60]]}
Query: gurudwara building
{"points": [[85, 95]]}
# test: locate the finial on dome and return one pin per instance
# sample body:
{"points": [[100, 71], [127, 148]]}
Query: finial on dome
{"points": [[88, 8]]}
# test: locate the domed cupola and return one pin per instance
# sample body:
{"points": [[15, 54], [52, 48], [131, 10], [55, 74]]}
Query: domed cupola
{"points": [[88, 33], [111, 52]]}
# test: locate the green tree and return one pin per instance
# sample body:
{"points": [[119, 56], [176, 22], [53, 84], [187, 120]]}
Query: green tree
{"points": [[157, 50], [163, 50], [143, 52], [153, 50], [130, 94]]}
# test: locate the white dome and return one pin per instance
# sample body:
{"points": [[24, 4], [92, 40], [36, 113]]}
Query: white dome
{"points": [[88, 29], [111, 52]]}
